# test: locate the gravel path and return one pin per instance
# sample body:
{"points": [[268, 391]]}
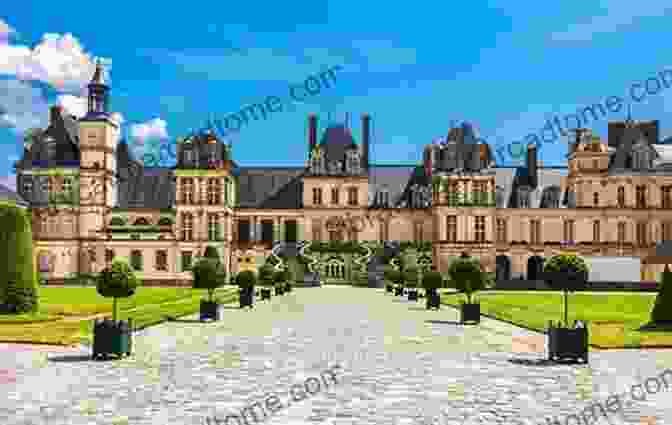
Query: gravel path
{"points": [[399, 364]]}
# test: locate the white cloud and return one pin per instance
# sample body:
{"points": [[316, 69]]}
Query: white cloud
{"points": [[116, 116], [617, 15], [153, 129], [73, 105], [22, 106], [58, 60]]}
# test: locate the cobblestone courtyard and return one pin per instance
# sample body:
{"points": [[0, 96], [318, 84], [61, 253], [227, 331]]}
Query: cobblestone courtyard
{"points": [[399, 364]]}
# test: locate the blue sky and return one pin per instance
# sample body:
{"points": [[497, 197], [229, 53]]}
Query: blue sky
{"points": [[505, 68]]}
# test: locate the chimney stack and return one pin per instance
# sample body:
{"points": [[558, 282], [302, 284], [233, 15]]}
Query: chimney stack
{"points": [[366, 123], [532, 164], [312, 132]]}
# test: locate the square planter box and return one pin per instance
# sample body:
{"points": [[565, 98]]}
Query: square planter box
{"points": [[209, 310], [568, 343], [112, 338], [433, 300], [266, 294], [279, 290], [398, 291], [412, 294], [246, 297], [389, 288], [470, 313]]}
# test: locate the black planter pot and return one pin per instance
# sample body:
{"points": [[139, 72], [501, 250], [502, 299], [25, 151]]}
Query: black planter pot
{"points": [[246, 297], [389, 288], [266, 294], [433, 300], [209, 310], [112, 338], [279, 290], [568, 343], [398, 291], [412, 294], [470, 313]]}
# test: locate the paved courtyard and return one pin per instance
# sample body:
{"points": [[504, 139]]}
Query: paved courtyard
{"points": [[399, 364]]}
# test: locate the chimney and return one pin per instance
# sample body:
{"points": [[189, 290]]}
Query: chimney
{"points": [[55, 114], [312, 132], [366, 123], [532, 164]]}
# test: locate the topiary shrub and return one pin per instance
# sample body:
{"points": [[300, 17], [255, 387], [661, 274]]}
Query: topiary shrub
{"points": [[411, 277], [465, 272], [211, 253], [567, 273], [18, 274], [281, 276], [432, 281], [662, 309], [207, 275], [117, 281], [266, 275], [246, 279]]}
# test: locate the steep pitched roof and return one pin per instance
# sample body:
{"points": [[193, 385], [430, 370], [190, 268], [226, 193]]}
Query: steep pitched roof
{"points": [[270, 187], [336, 140]]}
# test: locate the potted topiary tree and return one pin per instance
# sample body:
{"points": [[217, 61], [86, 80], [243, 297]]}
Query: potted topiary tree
{"points": [[432, 281], [245, 281], [112, 337], [411, 278], [266, 281], [281, 277], [567, 273], [390, 275], [399, 283], [466, 274], [208, 275], [661, 314]]}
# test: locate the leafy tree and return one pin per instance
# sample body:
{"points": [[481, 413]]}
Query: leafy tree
{"points": [[567, 273], [266, 275], [18, 274], [207, 275], [662, 309], [246, 279], [117, 281], [466, 274]]}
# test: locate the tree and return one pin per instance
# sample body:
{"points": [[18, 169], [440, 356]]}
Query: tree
{"points": [[207, 275], [567, 273], [662, 309], [411, 276], [432, 281], [117, 281], [211, 252], [18, 275], [466, 274], [281, 276], [246, 279], [266, 275]]}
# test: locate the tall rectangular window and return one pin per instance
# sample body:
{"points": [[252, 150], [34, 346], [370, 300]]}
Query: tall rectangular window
{"points": [[213, 227], [136, 260], [666, 196], [535, 232], [667, 231], [352, 196], [213, 192], [621, 197], [317, 196], [267, 231], [641, 196], [244, 230], [418, 235], [642, 239], [187, 191], [162, 260], [67, 184], [569, 230], [621, 232], [596, 231], [451, 227], [334, 195], [109, 256], [187, 227], [501, 230], [317, 230], [479, 229]]}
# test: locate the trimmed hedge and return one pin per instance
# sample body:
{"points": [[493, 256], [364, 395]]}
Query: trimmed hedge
{"points": [[18, 275]]}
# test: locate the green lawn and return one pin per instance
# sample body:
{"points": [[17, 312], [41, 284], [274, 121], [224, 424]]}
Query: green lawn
{"points": [[614, 318], [147, 307]]}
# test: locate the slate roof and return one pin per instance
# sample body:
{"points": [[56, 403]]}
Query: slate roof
{"points": [[8, 195], [394, 178], [270, 187], [336, 139], [62, 132], [145, 187]]}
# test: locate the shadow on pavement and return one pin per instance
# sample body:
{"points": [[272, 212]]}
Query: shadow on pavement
{"points": [[73, 359], [443, 322], [533, 362]]}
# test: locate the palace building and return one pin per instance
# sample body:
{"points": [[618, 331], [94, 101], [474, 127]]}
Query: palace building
{"points": [[92, 201]]}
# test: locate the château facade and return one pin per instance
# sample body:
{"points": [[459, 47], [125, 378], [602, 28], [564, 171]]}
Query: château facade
{"points": [[91, 200]]}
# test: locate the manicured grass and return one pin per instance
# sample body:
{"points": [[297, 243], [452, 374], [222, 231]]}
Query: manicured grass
{"points": [[614, 318], [28, 318], [159, 303]]}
